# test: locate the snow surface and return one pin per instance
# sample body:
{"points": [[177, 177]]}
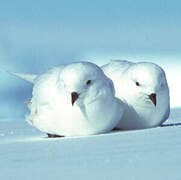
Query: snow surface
{"points": [[28, 154]]}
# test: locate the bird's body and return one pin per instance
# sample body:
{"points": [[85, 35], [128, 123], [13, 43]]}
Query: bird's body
{"points": [[72, 100], [143, 89]]}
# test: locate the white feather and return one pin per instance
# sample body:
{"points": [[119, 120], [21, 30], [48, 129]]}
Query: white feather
{"points": [[27, 77]]}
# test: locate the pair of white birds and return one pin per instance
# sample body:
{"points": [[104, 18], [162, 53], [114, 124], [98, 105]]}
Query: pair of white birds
{"points": [[83, 99]]}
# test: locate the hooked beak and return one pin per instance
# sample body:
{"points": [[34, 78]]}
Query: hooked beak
{"points": [[153, 98], [74, 97]]}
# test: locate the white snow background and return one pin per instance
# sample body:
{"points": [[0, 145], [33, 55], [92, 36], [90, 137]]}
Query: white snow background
{"points": [[37, 35], [26, 153]]}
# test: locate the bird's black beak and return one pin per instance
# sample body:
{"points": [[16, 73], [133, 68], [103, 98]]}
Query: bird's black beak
{"points": [[74, 97], [153, 98]]}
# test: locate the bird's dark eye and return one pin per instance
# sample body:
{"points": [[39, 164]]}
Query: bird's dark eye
{"points": [[88, 82], [137, 83]]}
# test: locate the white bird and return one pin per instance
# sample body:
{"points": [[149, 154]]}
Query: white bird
{"points": [[144, 90], [72, 100]]}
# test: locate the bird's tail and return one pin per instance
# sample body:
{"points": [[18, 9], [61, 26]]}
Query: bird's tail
{"points": [[27, 77]]}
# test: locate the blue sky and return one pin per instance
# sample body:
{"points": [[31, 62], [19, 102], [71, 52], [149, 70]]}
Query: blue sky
{"points": [[89, 12], [82, 27], [36, 35]]}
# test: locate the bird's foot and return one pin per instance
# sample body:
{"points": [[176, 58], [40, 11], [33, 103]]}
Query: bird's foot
{"points": [[117, 129], [53, 136]]}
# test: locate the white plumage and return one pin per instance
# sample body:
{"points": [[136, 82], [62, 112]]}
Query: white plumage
{"points": [[75, 99], [144, 90]]}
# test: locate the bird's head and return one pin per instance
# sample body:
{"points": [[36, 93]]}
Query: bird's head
{"points": [[147, 82], [82, 82]]}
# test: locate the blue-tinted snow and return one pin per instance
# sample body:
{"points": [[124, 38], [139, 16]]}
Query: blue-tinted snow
{"points": [[148, 154]]}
